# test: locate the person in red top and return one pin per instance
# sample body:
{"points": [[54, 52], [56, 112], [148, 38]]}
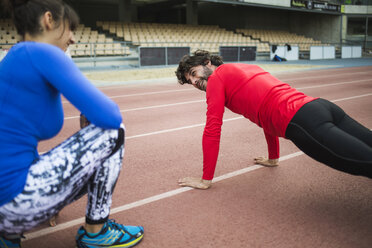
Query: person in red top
{"points": [[318, 127]]}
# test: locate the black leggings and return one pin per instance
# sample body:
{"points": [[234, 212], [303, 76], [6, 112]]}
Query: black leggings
{"points": [[323, 131]]}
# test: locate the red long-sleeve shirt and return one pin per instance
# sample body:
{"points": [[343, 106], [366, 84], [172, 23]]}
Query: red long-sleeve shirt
{"points": [[258, 96]]}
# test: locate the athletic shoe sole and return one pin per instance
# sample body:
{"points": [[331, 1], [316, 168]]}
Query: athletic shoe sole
{"points": [[127, 245]]}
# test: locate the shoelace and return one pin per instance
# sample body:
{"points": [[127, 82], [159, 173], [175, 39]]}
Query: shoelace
{"points": [[116, 226]]}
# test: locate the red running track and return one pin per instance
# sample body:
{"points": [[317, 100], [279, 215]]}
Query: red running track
{"points": [[301, 203]]}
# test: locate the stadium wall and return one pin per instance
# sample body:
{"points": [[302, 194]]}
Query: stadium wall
{"points": [[324, 27], [237, 16], [88, 12], [327, 28]]}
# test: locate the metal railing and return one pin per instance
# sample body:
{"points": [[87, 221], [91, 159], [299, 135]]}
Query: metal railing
{"points": [[127, 50]]}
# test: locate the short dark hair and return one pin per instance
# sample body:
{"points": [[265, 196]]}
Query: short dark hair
{"points": [[26, 14], [200, 57]]}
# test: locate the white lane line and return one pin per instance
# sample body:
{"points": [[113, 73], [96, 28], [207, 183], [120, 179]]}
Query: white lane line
{"points": [[149, 107], [335, 84], [196, 101], [324, 76], [115, 84], [352, 97], [202, 124], [178, 128], [78, 221], [143, 94], [162, 105], [148, 200], [253, 167], [171, 130], [151, 93]]}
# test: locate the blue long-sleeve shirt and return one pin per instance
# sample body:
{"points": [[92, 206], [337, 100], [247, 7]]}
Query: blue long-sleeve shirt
{"points": [[32, 78]]}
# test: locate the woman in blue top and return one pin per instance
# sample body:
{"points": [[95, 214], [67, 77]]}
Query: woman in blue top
{"points": [[34, 187]]}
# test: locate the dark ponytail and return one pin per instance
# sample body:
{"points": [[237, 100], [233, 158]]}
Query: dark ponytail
{"points": [[26, 14], [17, 3]]}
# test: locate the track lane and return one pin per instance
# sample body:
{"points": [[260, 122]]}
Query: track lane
{"points": [[147, 172]]}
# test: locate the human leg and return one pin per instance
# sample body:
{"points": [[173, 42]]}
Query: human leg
{"points": [[89, 161], [59, 177], [354, 128], [98, 231], [326, 133], [84, 122]]}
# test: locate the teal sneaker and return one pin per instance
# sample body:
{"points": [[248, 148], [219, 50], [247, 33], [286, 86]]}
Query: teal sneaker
{"points": [[10, 242], [111, 235]]}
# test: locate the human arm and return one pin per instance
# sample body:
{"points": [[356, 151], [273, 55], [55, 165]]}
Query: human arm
{"points": [[273, 150], [211, 136], [83, 121], [62, 74], [212, 129]]}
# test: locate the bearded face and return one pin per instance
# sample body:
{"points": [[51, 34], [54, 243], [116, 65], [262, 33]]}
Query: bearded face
{"points": [[198, 76]]}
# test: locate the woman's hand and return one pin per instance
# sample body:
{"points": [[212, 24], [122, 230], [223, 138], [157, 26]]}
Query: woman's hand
{"points": [[83, 121], [266, 162], [53, 220], [197, 183]]}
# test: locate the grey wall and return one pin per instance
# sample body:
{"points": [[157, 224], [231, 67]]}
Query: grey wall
{"points": [[324, 27], [327, 28], [90, 13], [229, 16]]}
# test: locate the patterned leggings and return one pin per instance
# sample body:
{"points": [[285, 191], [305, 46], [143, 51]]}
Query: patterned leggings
{"points": [[88, 162]]}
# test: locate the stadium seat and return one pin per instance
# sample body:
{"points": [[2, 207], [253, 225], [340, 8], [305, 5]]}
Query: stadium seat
{"points": [[194, 36], [278, 37]]}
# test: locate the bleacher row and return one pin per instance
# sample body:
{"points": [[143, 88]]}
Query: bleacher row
{"points": [[203, 36], [178, 35], [281, 38], [8, 34], [106, 40], [90, 42]]}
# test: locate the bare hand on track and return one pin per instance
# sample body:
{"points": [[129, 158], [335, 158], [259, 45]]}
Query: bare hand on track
{"points": [[195, 182], [266, 162], [53, 220]]}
